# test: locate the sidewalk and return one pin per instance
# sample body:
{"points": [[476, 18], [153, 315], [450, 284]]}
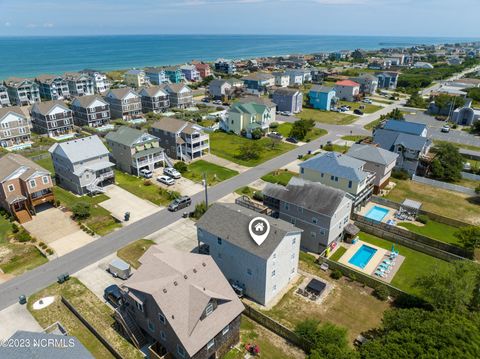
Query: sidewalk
{"points": [[224, 163]]}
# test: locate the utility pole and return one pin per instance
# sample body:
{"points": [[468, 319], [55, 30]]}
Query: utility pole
{"points": [[205, 184]]}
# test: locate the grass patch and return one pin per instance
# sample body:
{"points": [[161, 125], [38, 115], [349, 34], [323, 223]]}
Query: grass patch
{"points": [[386, 102], [5, 227], [368, 108], [371, 125], [415, 264], [329, 117], [460, 145], [226, 145], [100, 219], [98, 314], [132, 252], [215, 173], [443, 202], [336, 148], [17, 258], [136, 186], [245, 191], [354, 138], [436, 230], [285, 128], [46, 163], [338, 253], [279, 176]]}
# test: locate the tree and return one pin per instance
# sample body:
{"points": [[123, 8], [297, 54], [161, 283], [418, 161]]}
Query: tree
{"points": [[448, 163], [307, 330], [181, 167], [300, 128], [250, 150], [416, 100], [450, 288], [476, 127], [396, 114], [200, 209], [274, 142], [81, 210], [444, 102], [418, 333], [469, 237], [256, 133]]}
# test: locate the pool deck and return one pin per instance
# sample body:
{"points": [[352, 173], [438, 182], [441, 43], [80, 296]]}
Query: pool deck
{"points": [[374, 262], [390, 215]]}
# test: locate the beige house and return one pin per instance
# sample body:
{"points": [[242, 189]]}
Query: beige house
{"points": [[135, 78], [247, 116], [14, 128], [24, 185], [181, 305]]}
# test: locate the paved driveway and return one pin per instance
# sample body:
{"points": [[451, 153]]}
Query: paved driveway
{"points": [[183, 185], [16, 317], [181, 234], [122, 201]]}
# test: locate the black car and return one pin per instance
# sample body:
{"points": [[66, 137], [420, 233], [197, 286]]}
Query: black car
{"points": [[357, 112], [180, 203], [291, 139], [112, 295]]}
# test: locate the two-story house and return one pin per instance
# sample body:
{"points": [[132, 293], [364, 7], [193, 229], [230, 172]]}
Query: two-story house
{"points": [[247, 116], [225, 66], [181, 305], [298, 76], [377, 160], [368, 83], [24, 186], [340, 171], [181, 96], [258, 83], [79, 84], [14, 128], [281, 79], [289, 100], [174, 74], [134, 150], [221, 89], [135, 78], [408, 140], [321, 97], [22, 92], [154, 99], [261, 270], [387, 80], [53, 87], [82, 165], [322, 212], [125, 103], [100, 81], [190, 72], [181, 139], [53, 118], [203, 69], [347, 90], [156, 75], [90, 110], [4, 99]]}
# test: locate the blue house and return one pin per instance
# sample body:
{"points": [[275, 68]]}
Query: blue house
{"points": [[156, 75], [410, 128], [321, 97], [174, 74]]}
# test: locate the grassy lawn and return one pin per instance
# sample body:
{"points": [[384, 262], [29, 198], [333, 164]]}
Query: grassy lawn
{"points": [[17, 258], [368, 108], [279, 176], [414, 265], [348, 305], [284, 130], [460, 145], [373, 124], [100, 219], [386, 102], [247, 191], [439, 231], [338, 253], [336, 148], [136, 186], [215, 173], [5, 227], [98, 314], [446, 203], [47, 164], [227, 145], [132, 252], [354, 138], [329, 117]]}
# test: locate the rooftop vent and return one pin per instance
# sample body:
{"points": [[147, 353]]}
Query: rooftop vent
{"points": [[194, 270], [204, 264], [164, 290], [185, 276], [175, 283]]}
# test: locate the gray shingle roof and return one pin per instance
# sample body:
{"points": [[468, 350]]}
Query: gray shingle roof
{"points": [[322, 89], [120, 93], [387, 139], [128, 136], [412, 128], [337, 164], [85, 101], [153, 91], [15, 109], [285, 92], [70, 348], [313, 196], [81, 149], [369, 153], [11, 162], [230, 222], [45, 107]]}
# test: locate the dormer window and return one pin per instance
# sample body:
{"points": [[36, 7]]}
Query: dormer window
{"points": [[161, 317], [139, 306], [209, 309], [32, 183], [11, 188]]}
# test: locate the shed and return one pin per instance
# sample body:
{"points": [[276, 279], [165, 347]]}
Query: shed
{"points": [[316, 286], [119, 268]]}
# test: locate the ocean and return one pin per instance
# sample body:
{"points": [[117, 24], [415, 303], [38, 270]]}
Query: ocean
{"points": [[31, 56]]}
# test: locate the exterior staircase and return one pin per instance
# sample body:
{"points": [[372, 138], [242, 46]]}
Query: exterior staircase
{"points": [[168, 160], [93, 187], [131, 328], [23, 216]]}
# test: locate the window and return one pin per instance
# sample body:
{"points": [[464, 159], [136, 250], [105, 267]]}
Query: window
{"points": [[209, 309], [349, 184], [331, 178], [293, 220], [139, 306], [32, 183], [161, 317], [286, 206], [302, 170], [292, 257], [292, 270], [180, 351], [226, 330], [11, 188], [294, 240], [219, 255], [274, 255], [273, 273], [336, 179], [219, 241], [322, 232], [210, 344], [249, 271], [163, 336], [274, 287], [314, 220], [300, 209], [313, 235], [345, 220], [151, 326]]}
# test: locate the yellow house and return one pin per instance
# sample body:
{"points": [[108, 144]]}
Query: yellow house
{"points": [[248, 116]]}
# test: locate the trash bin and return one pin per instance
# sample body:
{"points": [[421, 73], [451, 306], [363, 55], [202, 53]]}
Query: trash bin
{"points": [[22, 299], [126, 217]]}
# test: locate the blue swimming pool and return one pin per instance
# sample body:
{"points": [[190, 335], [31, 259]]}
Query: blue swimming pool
{"points": [[362, 256], [377, 213]]}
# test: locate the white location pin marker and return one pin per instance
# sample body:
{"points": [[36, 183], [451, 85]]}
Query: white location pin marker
{"points": [[259, 229]]}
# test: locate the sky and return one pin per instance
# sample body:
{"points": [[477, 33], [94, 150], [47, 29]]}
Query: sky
{"points": [[446, 18]]}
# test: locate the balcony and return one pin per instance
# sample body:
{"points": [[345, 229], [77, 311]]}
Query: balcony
{"points": [[197, 139], [41, 197]]}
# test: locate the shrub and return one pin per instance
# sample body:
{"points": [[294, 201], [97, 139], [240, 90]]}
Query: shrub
{"points": [[381, 292], [49, 251], [400, 174], [200, 209], [147, 182], [181, 167], [353, 277], [23, 236], [57, 203], [258, 196], [174, 195], [41, 244], [422, 218], [245, 190], [274, 125], [336, 274], [81, 210], [15, 228]]}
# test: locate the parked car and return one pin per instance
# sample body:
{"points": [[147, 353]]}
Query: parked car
{"points": [[180, 203], [291, 140], [367, 100], [146, 173], [276, 135], [171, 172], [445, 128], [467, 166], [169, 181], [217, 102], [358, 112], [113, 295], [205, 99]]}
